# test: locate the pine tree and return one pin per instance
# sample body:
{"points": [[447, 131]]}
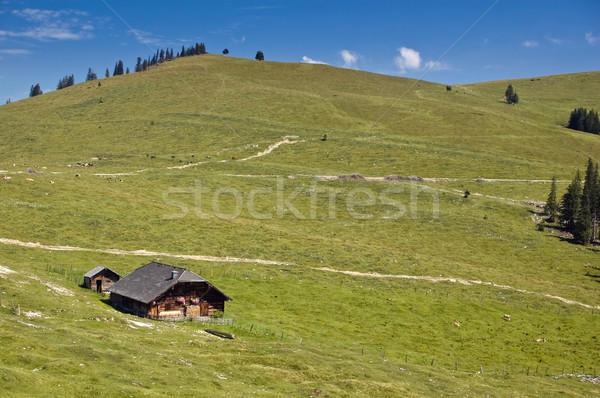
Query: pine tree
{"points": [[127, 71], [202, 49], [35, 90], [90, 75], [582, 231], [182, 54], [120, 68], [259, 56], [66, 82], [138, 65], [571, 202], [107, 74], [591, 192], [510, 95], [551, 208], [583, 120], [161, 57]]}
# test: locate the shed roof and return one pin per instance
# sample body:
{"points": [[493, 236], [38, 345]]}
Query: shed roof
{"points": [[92, 273], [148, 282]]}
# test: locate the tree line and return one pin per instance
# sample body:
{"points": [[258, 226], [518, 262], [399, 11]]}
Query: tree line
{"points": [[142, 65], [579, 208], [583, 120], [161, 56]]}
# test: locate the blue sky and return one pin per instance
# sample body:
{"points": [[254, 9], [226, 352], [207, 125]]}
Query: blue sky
{"points": [[449, 42]]}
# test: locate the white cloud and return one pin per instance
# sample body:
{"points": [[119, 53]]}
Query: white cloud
{"points": [[147, 38], [554, 40], [312, 61], [51, 24], [350, 58], [407, 59], [436, 65], [530, 43], [15, 51], [45, 33], [236, 41], [590, 38]]}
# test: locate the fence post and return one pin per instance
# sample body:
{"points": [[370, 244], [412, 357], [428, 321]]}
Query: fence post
{"points": [[481, 369], [1, 299], [18, 309], [528, 371]]}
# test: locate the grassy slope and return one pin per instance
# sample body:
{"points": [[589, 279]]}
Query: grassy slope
{"points": [[377, 125]]}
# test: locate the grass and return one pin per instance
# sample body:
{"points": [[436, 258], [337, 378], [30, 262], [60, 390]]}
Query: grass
{"points": [[313, 332]]}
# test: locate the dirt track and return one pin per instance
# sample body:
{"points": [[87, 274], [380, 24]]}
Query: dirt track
{"points": [[452, 280], [138, 253]]}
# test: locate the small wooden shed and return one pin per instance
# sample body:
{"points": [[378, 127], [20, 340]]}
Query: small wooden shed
{"points": [[100, 279], [163, 291]]}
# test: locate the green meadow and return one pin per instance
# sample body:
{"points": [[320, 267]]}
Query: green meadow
{"points": [[353, 286]]}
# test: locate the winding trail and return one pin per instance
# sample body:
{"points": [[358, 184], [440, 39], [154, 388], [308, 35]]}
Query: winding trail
{"points": [[139, 253], [271, 148], [288, 139], [435, 279]]}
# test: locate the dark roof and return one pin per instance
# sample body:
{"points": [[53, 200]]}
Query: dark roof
{"points": [[97, 270], [147, 283]]}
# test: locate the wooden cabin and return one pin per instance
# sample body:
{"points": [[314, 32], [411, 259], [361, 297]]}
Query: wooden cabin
{"points": [[100, 279], [163, 291]]}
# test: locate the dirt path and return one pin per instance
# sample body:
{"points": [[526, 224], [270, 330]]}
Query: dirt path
{"points": [[433, 279], [271, 148], [139, 253], [288, 139], [436, 279]]}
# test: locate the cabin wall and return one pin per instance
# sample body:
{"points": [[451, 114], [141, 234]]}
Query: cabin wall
{"points": [[129, 305], [167, 305], [107, 279]]}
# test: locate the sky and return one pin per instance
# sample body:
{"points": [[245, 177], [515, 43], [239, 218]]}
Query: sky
{"points": [[450, 42]]}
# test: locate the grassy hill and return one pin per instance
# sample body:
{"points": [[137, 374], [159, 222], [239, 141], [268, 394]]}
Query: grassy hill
{"points": [[372, 274]]}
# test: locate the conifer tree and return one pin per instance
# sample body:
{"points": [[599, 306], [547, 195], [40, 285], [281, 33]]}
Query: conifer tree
{"points": [[571, 202], [582, 231], [138, 65], [259, 56], [551, 208], [591, 189], [90, 75], [510, 95], [35, 90], [107, 74]]}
